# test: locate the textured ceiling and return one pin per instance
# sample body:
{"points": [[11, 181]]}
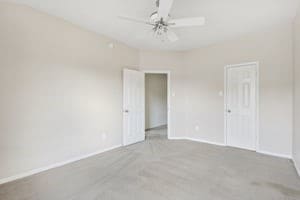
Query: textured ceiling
{"points": [[225, 19]]}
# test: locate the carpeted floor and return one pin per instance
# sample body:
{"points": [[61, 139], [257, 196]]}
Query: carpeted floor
{"points": [[161, 169]]}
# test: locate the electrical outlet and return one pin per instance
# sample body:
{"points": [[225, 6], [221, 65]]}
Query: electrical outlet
{"points": [[197, 128]]}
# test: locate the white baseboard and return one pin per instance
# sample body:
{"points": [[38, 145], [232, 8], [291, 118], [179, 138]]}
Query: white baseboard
{"points": [[157, 127], [196, 140], [177, 138], [42, 169], [222, 144], [296, 166], [206, 141], [274, 154]]}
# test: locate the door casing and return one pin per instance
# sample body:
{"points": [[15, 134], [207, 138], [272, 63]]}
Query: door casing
{"points": [[226, 68]]}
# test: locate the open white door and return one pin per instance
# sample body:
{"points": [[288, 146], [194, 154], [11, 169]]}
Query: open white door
{"points": [[241, 106], [133, 106]]}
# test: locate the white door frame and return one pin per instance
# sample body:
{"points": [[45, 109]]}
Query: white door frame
{"points": [[168, 73], [257, 100]]}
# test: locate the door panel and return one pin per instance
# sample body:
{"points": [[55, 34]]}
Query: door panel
{"points": [[241, 106], [133, 106]]}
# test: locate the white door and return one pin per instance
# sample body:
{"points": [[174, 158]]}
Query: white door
{"points": [[241, 105], [133, 106]]}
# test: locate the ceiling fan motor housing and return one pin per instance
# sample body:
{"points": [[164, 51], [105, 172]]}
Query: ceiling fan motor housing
{"points": [[160, 29]]}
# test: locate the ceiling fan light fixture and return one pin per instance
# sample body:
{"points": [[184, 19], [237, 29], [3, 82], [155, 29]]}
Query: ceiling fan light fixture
{"points": [[154, 18], [161, 36], [160, 32], [162, 24]]}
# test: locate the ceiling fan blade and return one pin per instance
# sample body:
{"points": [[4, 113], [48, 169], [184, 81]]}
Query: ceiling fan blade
{"points": [[172, 36], [142, 21], [164, 8], [184, 22]]}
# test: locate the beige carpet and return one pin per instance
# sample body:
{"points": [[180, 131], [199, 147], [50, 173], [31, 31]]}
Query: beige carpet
{"points": [[160, 169]]}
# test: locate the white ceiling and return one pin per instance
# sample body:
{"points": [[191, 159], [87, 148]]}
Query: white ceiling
{"points": [[225, 18]]}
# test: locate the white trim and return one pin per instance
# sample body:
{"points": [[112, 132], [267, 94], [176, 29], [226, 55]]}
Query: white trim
{"points": [[197, 140], [257, 100], [297, 167], [59, 164], [205, 141], [224, 145], [168, 73], [177, 138], [274, 154]]}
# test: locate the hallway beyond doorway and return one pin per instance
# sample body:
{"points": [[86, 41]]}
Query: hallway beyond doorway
{"points": [[160, 133]]}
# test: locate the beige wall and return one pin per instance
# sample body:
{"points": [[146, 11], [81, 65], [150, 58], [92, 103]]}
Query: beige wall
{"points": [[296, 139], [156, 100], [272, 48], [197, 77], [61, 90]]}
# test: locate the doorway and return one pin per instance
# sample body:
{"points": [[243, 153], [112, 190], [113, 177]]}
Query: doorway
{"points": [[156, 104], [241, 105], [134, 115]]}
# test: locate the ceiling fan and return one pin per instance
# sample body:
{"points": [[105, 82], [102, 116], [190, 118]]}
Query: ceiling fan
{"points": [[162, 22]]}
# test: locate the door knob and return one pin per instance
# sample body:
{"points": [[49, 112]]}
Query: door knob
{"points": [[126, 111], [229, 111]]}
